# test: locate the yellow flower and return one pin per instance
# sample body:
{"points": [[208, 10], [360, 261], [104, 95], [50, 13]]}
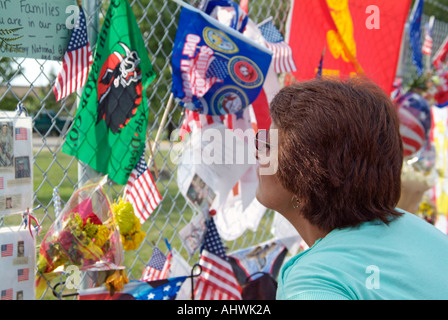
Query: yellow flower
{"points": [[74, 224], [128, 224], [124, 215], [102, 235], [91, 229], [132, 241], [116, 281], [91, 251]]}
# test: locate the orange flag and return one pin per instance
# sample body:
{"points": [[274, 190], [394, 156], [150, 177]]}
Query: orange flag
{"points": [[360, 37]]}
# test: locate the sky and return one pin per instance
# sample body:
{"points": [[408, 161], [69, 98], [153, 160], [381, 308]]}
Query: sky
{"points": [[34, 71]]}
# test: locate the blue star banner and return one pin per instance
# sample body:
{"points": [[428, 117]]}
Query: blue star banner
{"points": [[216, 69], [165, 289]]}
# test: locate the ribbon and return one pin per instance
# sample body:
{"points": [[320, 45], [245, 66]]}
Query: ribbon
{"points": [[26, 217]]}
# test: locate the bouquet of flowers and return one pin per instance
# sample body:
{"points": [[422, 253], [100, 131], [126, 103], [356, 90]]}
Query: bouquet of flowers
{"points": [[84, 235]]}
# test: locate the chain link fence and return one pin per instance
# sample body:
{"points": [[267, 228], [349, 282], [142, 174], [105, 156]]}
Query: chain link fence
{"points": [[29, 81]]}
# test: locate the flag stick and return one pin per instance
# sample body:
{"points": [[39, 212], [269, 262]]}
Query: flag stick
{"points": [[162, 125], [151, 157]]}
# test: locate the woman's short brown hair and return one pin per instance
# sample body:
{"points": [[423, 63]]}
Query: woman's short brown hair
{"points": [[340, 150]]}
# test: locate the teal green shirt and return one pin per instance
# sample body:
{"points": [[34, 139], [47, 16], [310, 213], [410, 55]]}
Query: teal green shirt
{"points": [[407, 259]]}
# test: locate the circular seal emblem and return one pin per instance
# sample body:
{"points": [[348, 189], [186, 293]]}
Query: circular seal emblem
{"points": [[245, 72], [219, 41], [229, 100]]}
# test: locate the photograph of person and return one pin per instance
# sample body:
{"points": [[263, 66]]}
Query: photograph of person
{"points": [[22, 165], [8, 203], [200, 193], [20, 249], [6, 145]]}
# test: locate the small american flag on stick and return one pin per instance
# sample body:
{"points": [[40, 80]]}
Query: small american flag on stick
{"points": [[141, 190], [282, 53], [157, 267], [217, 280], [76, 63]]}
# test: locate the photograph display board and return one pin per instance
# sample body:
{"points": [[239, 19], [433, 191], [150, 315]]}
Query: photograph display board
{"points": [[16, 163]]}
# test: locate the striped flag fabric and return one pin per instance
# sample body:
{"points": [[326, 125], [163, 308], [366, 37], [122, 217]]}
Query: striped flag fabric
{"points": [[427, 43], [21, 134], [415, 122], [76, 63], [157, 267], [217, 280], [193, 120], [7, 250], [6, 294], [282, 53], [141, 190], [23, 274], [441, 54], [441, 96]]}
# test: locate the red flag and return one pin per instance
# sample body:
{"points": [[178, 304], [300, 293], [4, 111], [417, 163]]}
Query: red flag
{"points": [[360, 38], [77, 60]]}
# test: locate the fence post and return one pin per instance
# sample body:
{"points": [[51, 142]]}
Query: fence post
{"points": [[91, 9], [85, 172]]}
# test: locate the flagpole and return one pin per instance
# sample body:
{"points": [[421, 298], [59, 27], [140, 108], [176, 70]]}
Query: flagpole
{"points": [[162, 125], [151, 157]]}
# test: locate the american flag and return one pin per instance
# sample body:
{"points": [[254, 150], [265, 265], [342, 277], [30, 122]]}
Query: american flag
{"points": [[23, 274], [415, 122], [157, 267], [21, 134], [441, 54], [165, 289], [427, 44], [6, 294], [282, 53], [217, 280], [141, 190], [193, 120], [77, 60], [6, 250], [441, 96]]}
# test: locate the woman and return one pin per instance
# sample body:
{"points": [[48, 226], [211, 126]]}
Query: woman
{"points": [[338, 157]]}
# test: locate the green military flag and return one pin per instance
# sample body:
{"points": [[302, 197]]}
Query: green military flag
{"points": [[109, 129]]}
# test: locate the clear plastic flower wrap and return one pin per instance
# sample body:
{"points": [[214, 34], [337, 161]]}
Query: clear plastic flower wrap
{"points": [[84, 235]]}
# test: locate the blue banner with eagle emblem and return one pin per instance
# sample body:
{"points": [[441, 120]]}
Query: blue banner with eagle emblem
{"points": [[216, 69]]}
